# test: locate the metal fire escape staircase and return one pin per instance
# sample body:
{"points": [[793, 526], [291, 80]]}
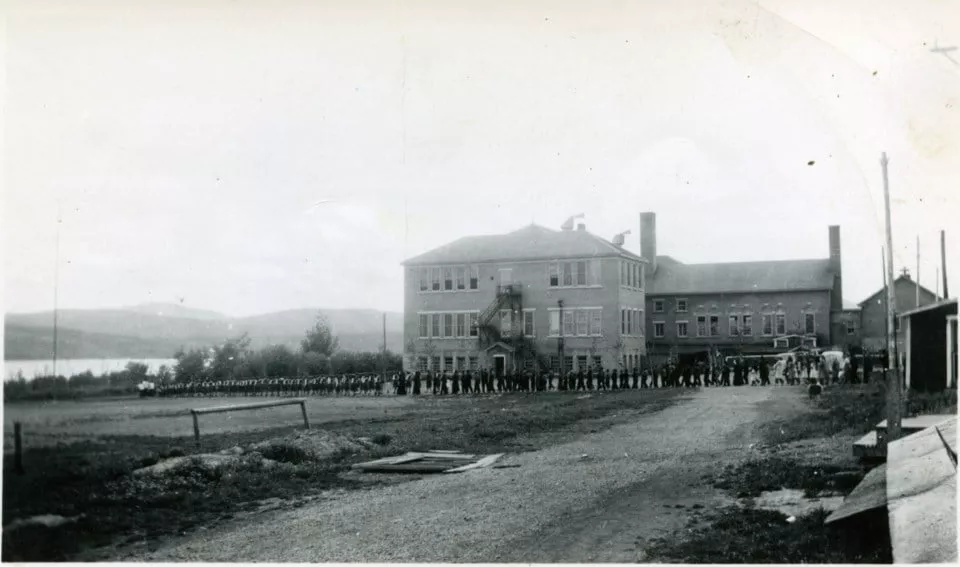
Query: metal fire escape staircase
{"points": [[489, 332]]}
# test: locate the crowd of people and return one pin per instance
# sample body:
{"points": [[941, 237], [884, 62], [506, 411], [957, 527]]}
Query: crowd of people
{"points": [[736, 371]]}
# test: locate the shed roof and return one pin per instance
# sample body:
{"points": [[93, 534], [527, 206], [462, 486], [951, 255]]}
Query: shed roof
{"points": [[532, 242], [673, 277]]}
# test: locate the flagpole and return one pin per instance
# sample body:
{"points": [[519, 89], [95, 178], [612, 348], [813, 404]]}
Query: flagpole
{"points": [[893, 373]]}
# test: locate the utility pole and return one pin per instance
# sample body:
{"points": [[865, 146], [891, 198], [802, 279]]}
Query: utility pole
{"points": [[943, 262], [917, 287], [894, 405], [56, 290], [383, 356]]}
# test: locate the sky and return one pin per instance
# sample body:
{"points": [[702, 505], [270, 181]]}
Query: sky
{"points": [[246, 156]]}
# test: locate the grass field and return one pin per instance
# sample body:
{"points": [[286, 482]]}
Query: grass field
{"points": [[50, 423], [78, 456]]}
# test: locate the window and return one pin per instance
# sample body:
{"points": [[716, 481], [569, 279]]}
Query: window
{"points": [[567, 363], [682, 329], [555, 363], [658, 306], [474, 277], [636, 275], [623, 321], [423, 327], [554, 323], [424, 279], [505, 321], [623, 273], [701, 325], [767, 324], [582, 362], [473, 363], [421, 364], [595, 317], [581, 273], [528, 323], [554, 274], [746, 328], [447, 325], [640, 268], [448, 363], [435, 363], [597, 362], [461, 363], [582, 323], [473, 324], [461, 327], [568, 328], [435, 327], [734, 325], [851, 328], [681, 306], [448, 279], [567, 273], [781, 324], [658, 328], [461, 278], [641, 322], [809, 323], [896, 324], [435, 277], [714, 325]]}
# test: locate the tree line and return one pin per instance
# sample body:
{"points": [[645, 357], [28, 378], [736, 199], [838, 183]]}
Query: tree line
{"points": [[317, 355]]}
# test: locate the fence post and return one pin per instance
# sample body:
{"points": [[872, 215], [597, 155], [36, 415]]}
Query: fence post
{"points": [[196, 428], [17, 448], [303, 408]]}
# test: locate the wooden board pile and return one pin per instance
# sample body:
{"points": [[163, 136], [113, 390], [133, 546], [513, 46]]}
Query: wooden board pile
{"points": [[430, 462]]}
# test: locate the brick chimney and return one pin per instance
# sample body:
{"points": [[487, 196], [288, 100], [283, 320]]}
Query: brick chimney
{"points": [[648, 240]]}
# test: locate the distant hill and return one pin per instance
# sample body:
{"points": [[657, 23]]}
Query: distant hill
{"points": [[157, 330]]}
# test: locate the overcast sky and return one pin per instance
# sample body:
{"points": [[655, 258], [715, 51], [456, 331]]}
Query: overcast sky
{"points": [[186, 142]]}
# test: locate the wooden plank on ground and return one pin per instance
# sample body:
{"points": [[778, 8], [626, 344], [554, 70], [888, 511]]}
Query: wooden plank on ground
{"points": [[407, 458], [446, 456], [406, 467], [484, 462]]}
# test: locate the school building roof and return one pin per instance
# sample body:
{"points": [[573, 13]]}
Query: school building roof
{"points": [[673, 277], [532, 242]]}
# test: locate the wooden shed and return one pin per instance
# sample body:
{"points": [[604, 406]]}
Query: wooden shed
{"points": [[931, 346]]}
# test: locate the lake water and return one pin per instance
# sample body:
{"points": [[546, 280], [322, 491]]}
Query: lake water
{"points": [[70, 366]]}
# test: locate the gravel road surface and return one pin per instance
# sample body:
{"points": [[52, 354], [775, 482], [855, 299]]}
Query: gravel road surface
{"points": [[597, 498]]}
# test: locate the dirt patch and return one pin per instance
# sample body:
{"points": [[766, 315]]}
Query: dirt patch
{"points": [[313, 444]]}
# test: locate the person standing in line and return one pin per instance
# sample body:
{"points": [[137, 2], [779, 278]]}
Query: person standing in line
{"points": [[764, 372], [443, 375], [455, 382], [401, 385], [581, 385], [867, 367], [635, 384], [416, 383]]}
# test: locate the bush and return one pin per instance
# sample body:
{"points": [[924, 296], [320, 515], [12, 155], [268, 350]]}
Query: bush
{"points": [[382, 439], [285, 453]]}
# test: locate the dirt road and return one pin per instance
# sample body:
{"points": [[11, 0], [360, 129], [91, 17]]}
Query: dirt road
{"points": [[598, 498]]}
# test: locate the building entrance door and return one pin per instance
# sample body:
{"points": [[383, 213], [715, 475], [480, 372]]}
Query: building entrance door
{"points": [[506, 277], [499, 364]]}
